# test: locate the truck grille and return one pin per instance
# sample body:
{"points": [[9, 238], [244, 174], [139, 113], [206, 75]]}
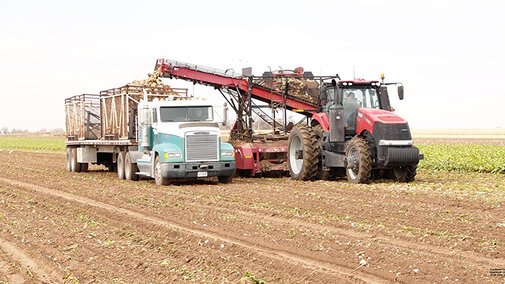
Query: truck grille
{"points": [[201, 147]]}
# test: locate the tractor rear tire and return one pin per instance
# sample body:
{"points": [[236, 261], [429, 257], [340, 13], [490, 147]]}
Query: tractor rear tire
{"points": [[120, 165], [405, 173], [359, 161], [304, 153], [130, 168], [75, 166]]}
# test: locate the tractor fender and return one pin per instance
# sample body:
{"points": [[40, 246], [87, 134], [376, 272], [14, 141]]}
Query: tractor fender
{"points": [[321, 119]]}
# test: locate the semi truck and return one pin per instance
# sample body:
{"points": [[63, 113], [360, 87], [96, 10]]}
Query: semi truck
{"points": [[153, 132]]}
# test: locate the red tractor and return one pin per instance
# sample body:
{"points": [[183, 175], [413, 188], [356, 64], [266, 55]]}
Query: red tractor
{"points": [[355, 134]]}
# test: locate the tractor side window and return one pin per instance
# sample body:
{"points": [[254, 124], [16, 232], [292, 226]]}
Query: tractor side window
{"points": [[352, 101], [330, 99]]}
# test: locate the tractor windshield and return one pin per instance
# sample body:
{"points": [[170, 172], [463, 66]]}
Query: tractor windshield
{"points": [[355, 98], [179, 114]]}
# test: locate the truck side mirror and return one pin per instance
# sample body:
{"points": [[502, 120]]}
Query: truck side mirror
{"points": [[225, 114], [400, 92]]}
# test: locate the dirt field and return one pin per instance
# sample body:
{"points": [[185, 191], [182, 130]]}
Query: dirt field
{"points": [[91, 227]]}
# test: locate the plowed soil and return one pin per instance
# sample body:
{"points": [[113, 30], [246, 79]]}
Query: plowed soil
{"points": [[58, 226]]}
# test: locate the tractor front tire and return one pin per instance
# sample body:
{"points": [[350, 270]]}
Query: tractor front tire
{"points": [[304, 153], [359, 161], [405, 173]]}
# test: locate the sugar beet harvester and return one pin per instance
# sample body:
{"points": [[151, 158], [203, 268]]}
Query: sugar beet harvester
{"points": [[351, 129], [142, 131]]}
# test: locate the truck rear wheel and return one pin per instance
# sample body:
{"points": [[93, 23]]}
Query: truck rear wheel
{"points": [[304, 153], [405, 173], [69, 159], [84, 167], [359, 161], [158, 178], [75, 166], [130, 168], [120, 165]]}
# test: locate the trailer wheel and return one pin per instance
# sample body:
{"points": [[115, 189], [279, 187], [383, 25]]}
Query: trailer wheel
{"points": [[158, 178], [359, 161], [75, 166], [225, 179], [69, 159], [304, 153], [405, 173], [84, 167], [130, 168], [120, 165]]}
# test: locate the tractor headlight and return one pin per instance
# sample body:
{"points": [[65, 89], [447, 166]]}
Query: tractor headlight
{"points": [[172, 155], [228, 154]]}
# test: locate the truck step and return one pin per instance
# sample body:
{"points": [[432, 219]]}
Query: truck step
{"points": [[143, 173]]}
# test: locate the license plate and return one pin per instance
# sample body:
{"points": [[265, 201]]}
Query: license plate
{"points": [[202, 174]]}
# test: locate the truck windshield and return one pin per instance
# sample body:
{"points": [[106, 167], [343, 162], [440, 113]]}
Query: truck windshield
{"points": [[178, 114]]}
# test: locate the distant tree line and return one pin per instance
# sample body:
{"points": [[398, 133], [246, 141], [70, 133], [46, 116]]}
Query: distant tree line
{"points": [[6, 130]]}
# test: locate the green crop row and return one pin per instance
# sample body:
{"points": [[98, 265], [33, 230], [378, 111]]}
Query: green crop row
{"points": [[32, 144], [465, 158]]}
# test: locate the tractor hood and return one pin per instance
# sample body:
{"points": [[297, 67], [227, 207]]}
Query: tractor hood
{"points": [[379, 115]]}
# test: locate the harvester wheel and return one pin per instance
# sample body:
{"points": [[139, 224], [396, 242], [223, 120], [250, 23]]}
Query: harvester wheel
{"points": [[130, 168], [359, 161], [158, 178], [304, 153], [75, 166], [225, 179], [69, 159], [120, 165], [405, 173]]}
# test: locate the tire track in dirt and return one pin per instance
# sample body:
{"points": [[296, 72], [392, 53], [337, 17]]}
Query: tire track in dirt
{"points": [[7, 276], [267, 251], [429, 250], [33, 267]]}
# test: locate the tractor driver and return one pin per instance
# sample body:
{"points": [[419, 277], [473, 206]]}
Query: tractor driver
{"points": [[350, 107]]}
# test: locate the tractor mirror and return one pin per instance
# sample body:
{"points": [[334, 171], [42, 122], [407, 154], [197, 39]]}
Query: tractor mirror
{"points": [[400, 92], [333, 82]]}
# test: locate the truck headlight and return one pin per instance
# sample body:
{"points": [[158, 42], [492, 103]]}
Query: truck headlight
{"points": [[172, 155], [228, 154]]}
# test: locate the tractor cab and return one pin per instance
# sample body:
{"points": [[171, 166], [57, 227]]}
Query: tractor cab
{"points": [[353, 95]]}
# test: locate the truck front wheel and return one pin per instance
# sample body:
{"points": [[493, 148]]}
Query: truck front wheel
{"points": [[359, 161], [130, 168], [158, 178]]}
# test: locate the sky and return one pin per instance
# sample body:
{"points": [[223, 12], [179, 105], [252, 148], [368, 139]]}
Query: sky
{"points": [[449, 55]]}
